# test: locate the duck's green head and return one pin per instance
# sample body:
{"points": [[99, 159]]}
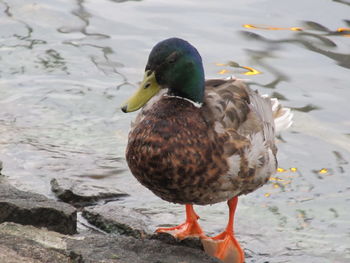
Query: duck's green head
{"points": [[173, 64]]}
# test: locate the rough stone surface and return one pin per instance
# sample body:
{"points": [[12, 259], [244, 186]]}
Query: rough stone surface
{"points": [[114, 218], [20, 244], [124, 249], [28, 244], [81, 193], [171, 240], [37, 210]]}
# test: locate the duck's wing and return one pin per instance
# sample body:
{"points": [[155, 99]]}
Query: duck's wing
{"points": [[246, 120], [226, 103], [230, 104]]}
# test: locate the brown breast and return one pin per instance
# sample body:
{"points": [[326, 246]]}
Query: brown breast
{"points": [[175, 154]]}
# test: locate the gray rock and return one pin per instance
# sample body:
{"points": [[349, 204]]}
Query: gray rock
{"points": [[114, 218], [124, 249], [37, 210], [82, 193], [192, 242], [28, 244]]}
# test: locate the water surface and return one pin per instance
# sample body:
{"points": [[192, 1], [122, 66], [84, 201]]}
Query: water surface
{"points": [[66, 66]]}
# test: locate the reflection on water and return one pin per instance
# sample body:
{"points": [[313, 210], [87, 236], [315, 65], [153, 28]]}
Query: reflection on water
{"points": [[307, 108], [342, 2], [53, 61], [246, 70], [309, 40], [67, 66]]}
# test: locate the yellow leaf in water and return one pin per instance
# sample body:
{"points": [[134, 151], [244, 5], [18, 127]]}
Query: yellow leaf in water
{"points": [[296, 29], [251, 71], [250, 26], [323, 171], [343, 29], [223, 71]]}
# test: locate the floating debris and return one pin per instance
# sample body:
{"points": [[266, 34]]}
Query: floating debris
{"points": [[323, 171], [223, 71], [251, 71], [344, 30], [281, 170], [264, 27], [281, 181]]}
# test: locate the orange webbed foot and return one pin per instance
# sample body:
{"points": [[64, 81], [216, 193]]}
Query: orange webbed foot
{"points": [[184, 230], [225, 247], [190, 228]]}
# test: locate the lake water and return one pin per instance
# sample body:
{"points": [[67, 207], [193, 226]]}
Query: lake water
{"points": [[66, 67]]}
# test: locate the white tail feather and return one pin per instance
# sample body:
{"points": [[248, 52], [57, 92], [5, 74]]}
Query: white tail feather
{"points": [[283, 116], [284, 121]]}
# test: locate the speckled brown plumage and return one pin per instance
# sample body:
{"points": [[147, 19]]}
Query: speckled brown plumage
{"points": [[191, 155], [172, 154]]}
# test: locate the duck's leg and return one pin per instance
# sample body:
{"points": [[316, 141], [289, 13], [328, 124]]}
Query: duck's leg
{"points": [[225, 246], [190, 228]]}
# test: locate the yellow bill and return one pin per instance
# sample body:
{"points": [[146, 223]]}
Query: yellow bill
{"points": [[148, 88]]}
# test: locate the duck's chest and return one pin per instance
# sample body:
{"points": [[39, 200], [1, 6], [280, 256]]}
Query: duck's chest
{"points": [[172, 152]]}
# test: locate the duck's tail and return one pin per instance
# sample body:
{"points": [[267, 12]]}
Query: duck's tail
{"points": [[283, 116]]}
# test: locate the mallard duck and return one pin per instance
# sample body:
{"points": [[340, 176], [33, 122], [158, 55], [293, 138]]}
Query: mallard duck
{"points": [[200, 142]]}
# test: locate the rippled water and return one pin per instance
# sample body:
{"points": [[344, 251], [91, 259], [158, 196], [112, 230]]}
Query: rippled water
{"points": [[66, 66]]}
